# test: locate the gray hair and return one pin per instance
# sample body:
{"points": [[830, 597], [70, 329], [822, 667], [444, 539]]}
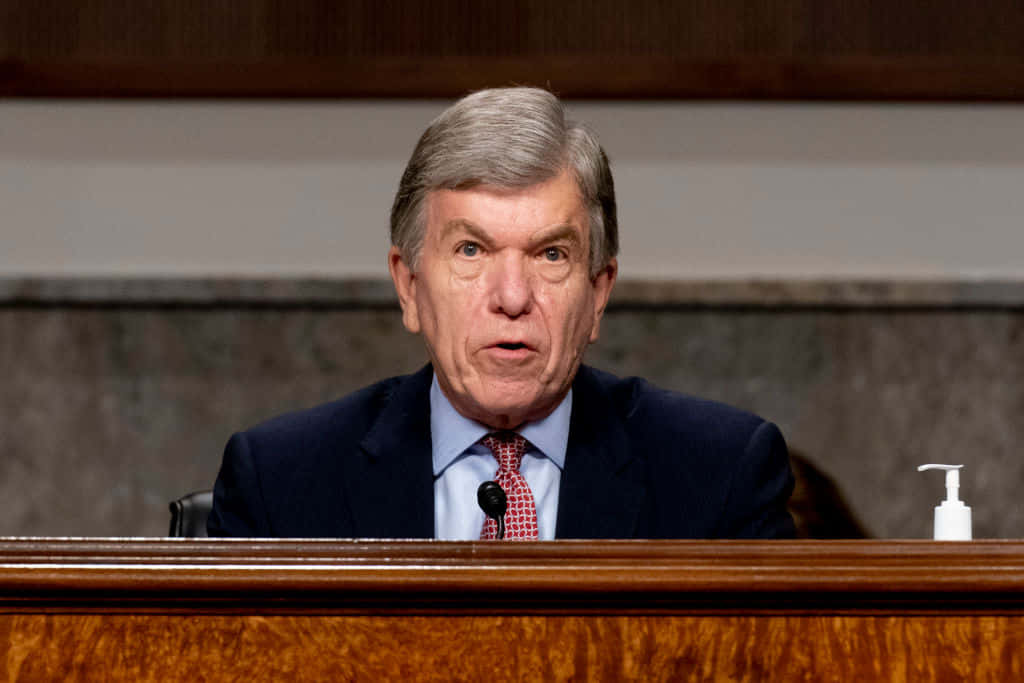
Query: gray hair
{"points": [[511, 138]]}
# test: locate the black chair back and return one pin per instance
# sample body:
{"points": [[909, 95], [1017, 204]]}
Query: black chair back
{"points": [[189, 513]]}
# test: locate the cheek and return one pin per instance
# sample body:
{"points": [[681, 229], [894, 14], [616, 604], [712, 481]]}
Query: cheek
{"points": [[447, 314], [581, 332], [569, 321]]}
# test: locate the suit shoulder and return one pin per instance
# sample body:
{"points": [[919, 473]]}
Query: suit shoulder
{"points": [[638, 401], [712, 470], [353, 413]]}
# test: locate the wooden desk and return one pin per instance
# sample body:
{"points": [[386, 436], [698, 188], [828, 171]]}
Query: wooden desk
{"points": [[169, 610]]}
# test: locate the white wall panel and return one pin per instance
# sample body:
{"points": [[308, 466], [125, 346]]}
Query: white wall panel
{"points": [[706, 190]]}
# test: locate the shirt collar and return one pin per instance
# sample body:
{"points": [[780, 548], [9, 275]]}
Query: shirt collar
{"points": [[451, 433]]}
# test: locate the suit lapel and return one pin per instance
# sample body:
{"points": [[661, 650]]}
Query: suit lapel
{"points": [[391, 484], [602, 489]]}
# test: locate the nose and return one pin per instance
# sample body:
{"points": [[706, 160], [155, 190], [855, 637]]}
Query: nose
{"points": [[511, 286]]}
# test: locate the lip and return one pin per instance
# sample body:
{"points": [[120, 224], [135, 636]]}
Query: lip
{"points": [[522, 343], [510, 349]]}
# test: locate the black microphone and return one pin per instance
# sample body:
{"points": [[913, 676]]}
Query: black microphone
{"points": [[494, 503]]}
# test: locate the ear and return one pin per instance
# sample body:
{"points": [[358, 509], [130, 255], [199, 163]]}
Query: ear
{"points": [[405, 286], [602, 283]]}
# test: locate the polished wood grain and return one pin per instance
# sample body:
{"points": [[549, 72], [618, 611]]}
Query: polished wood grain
{"points": [[247, 610], [847, 49], [564, 575], [987, 571], [122, 647]]}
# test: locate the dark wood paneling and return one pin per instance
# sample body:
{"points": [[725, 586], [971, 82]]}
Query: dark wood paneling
{"points": [[159, 610], [648, 48], [564, 576]]}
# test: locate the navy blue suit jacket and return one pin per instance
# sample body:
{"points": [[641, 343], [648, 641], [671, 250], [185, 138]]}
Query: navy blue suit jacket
{"points": [[641, 463]]}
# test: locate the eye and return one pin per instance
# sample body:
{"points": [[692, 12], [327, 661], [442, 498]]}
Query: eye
{"points": [[554, 254], [469, 249]]}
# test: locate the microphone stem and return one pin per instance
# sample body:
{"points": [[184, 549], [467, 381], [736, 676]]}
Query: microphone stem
{"points": [[501, 527]]}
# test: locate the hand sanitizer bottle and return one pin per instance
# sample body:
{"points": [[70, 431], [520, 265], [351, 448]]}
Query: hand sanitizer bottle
{"points": [[952, 517]]}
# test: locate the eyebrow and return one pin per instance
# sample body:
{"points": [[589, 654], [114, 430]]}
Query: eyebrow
{"points": [[475, 231], [565, 231]]}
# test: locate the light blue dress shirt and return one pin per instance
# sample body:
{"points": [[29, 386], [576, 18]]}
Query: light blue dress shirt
{"points": [[461, 464]]}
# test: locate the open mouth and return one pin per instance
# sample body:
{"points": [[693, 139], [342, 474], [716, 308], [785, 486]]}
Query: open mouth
{"points": [[508, 346]]}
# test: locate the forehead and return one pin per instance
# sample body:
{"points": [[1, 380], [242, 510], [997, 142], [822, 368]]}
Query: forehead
{"points": [[552, 203]]}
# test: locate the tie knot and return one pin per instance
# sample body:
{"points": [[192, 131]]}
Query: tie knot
{"points": [[508, 449]]}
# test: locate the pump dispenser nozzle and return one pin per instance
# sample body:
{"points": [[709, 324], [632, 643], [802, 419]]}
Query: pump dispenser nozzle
{"points": [[952, 517]]}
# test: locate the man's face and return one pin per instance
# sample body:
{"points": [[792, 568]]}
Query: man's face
{"points": [[503, 297]]}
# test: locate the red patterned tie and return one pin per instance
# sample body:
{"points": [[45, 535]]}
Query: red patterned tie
{"points": [[521, 518]]}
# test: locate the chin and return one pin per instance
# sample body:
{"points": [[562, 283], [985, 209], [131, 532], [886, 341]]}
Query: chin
{"points": [[508, 409]]}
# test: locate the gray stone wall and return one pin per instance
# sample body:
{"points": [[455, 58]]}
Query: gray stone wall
{"points": [[117, 396]]}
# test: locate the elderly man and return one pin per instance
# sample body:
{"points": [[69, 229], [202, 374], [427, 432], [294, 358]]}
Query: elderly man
{"points": [[504, 239]]}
